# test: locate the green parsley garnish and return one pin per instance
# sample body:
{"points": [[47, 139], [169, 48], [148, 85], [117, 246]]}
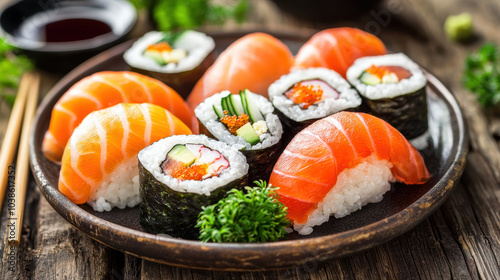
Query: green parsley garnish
{"points": [[187, 14], [482, 74], [12, 67], [252, 216]]}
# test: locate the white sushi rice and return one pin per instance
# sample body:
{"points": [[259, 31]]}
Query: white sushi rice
{"points": [[386, 90], [355, 187], [205, 113], [119, 189], [152, 157], [348, 97], [197, 44]]}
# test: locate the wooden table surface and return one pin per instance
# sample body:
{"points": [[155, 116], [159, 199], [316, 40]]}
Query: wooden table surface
{"points": [[460, 240]]}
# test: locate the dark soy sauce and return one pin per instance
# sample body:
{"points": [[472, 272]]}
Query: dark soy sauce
{"points": [[72, 29]]}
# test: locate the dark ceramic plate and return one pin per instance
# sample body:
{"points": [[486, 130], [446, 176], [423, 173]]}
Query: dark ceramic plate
{"points": [[401, 209]]}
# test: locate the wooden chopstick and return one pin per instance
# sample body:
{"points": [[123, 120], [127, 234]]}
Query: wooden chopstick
{"points": [[10, 141], [22, 164]]}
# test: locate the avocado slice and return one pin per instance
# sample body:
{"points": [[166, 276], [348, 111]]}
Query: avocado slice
{"points": [[248, 133], [183, 154]]}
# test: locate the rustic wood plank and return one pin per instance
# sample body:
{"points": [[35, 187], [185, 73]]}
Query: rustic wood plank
{"points": [[17, 262], [450, 246], [63, 252], [132, 268], [473, 218]]}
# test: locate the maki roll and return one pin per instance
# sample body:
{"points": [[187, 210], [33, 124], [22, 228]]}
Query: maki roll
{"points": [[394, 89], [177, 59], [304, 96], [180, 175], [245, 121]]}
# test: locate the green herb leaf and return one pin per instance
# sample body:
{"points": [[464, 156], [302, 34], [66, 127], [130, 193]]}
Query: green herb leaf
{"points": [[187, 14], [177, 14], [252, 216], [240, 11], [12, 67], [482, 74]]}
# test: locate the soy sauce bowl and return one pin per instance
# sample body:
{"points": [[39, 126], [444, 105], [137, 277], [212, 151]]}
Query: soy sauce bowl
{"points": [[59, 35]]}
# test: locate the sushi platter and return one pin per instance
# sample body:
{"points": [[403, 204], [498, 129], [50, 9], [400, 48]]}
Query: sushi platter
{"points": [[401, 208]]}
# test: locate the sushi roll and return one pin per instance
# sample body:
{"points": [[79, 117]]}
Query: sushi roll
{"points": [[177, 59], [179, 175], [99, 163], [245, 121], [305, 96], [341, 163], [394, 89]]}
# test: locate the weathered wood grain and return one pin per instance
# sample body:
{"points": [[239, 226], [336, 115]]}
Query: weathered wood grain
{"points": [[64, 252], [17, 262]]}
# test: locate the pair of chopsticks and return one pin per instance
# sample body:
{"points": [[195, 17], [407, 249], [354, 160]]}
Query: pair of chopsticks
{"points": [[17, 177]]}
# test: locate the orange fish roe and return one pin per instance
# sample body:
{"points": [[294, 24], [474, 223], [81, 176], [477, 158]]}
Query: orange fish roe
{"points": [[304, 95], [180, 171], [233, 123], [193, 172], [381, 71], [159, 47]]}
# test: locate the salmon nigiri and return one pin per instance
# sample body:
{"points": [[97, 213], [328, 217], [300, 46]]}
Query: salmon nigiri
{"points": [[99, 164], [252, 62], [105, 89], [340, 163], [337, 49]]}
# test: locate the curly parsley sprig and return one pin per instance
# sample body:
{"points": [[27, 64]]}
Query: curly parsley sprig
{"points": [[482, 74], [252, 216]]}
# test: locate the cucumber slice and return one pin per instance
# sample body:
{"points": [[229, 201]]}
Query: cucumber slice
{"points": [[218, 111], [243, 99], [156, 56], [224, 106], [248, 133], [229, 106], [369, 79], [172, 37], [252, 110], [236, 102]]}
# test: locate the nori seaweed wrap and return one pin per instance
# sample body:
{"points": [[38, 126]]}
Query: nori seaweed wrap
{"points": [[393, 88], [178, 175], [245, 121], [304, 96], [177, 59]]}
